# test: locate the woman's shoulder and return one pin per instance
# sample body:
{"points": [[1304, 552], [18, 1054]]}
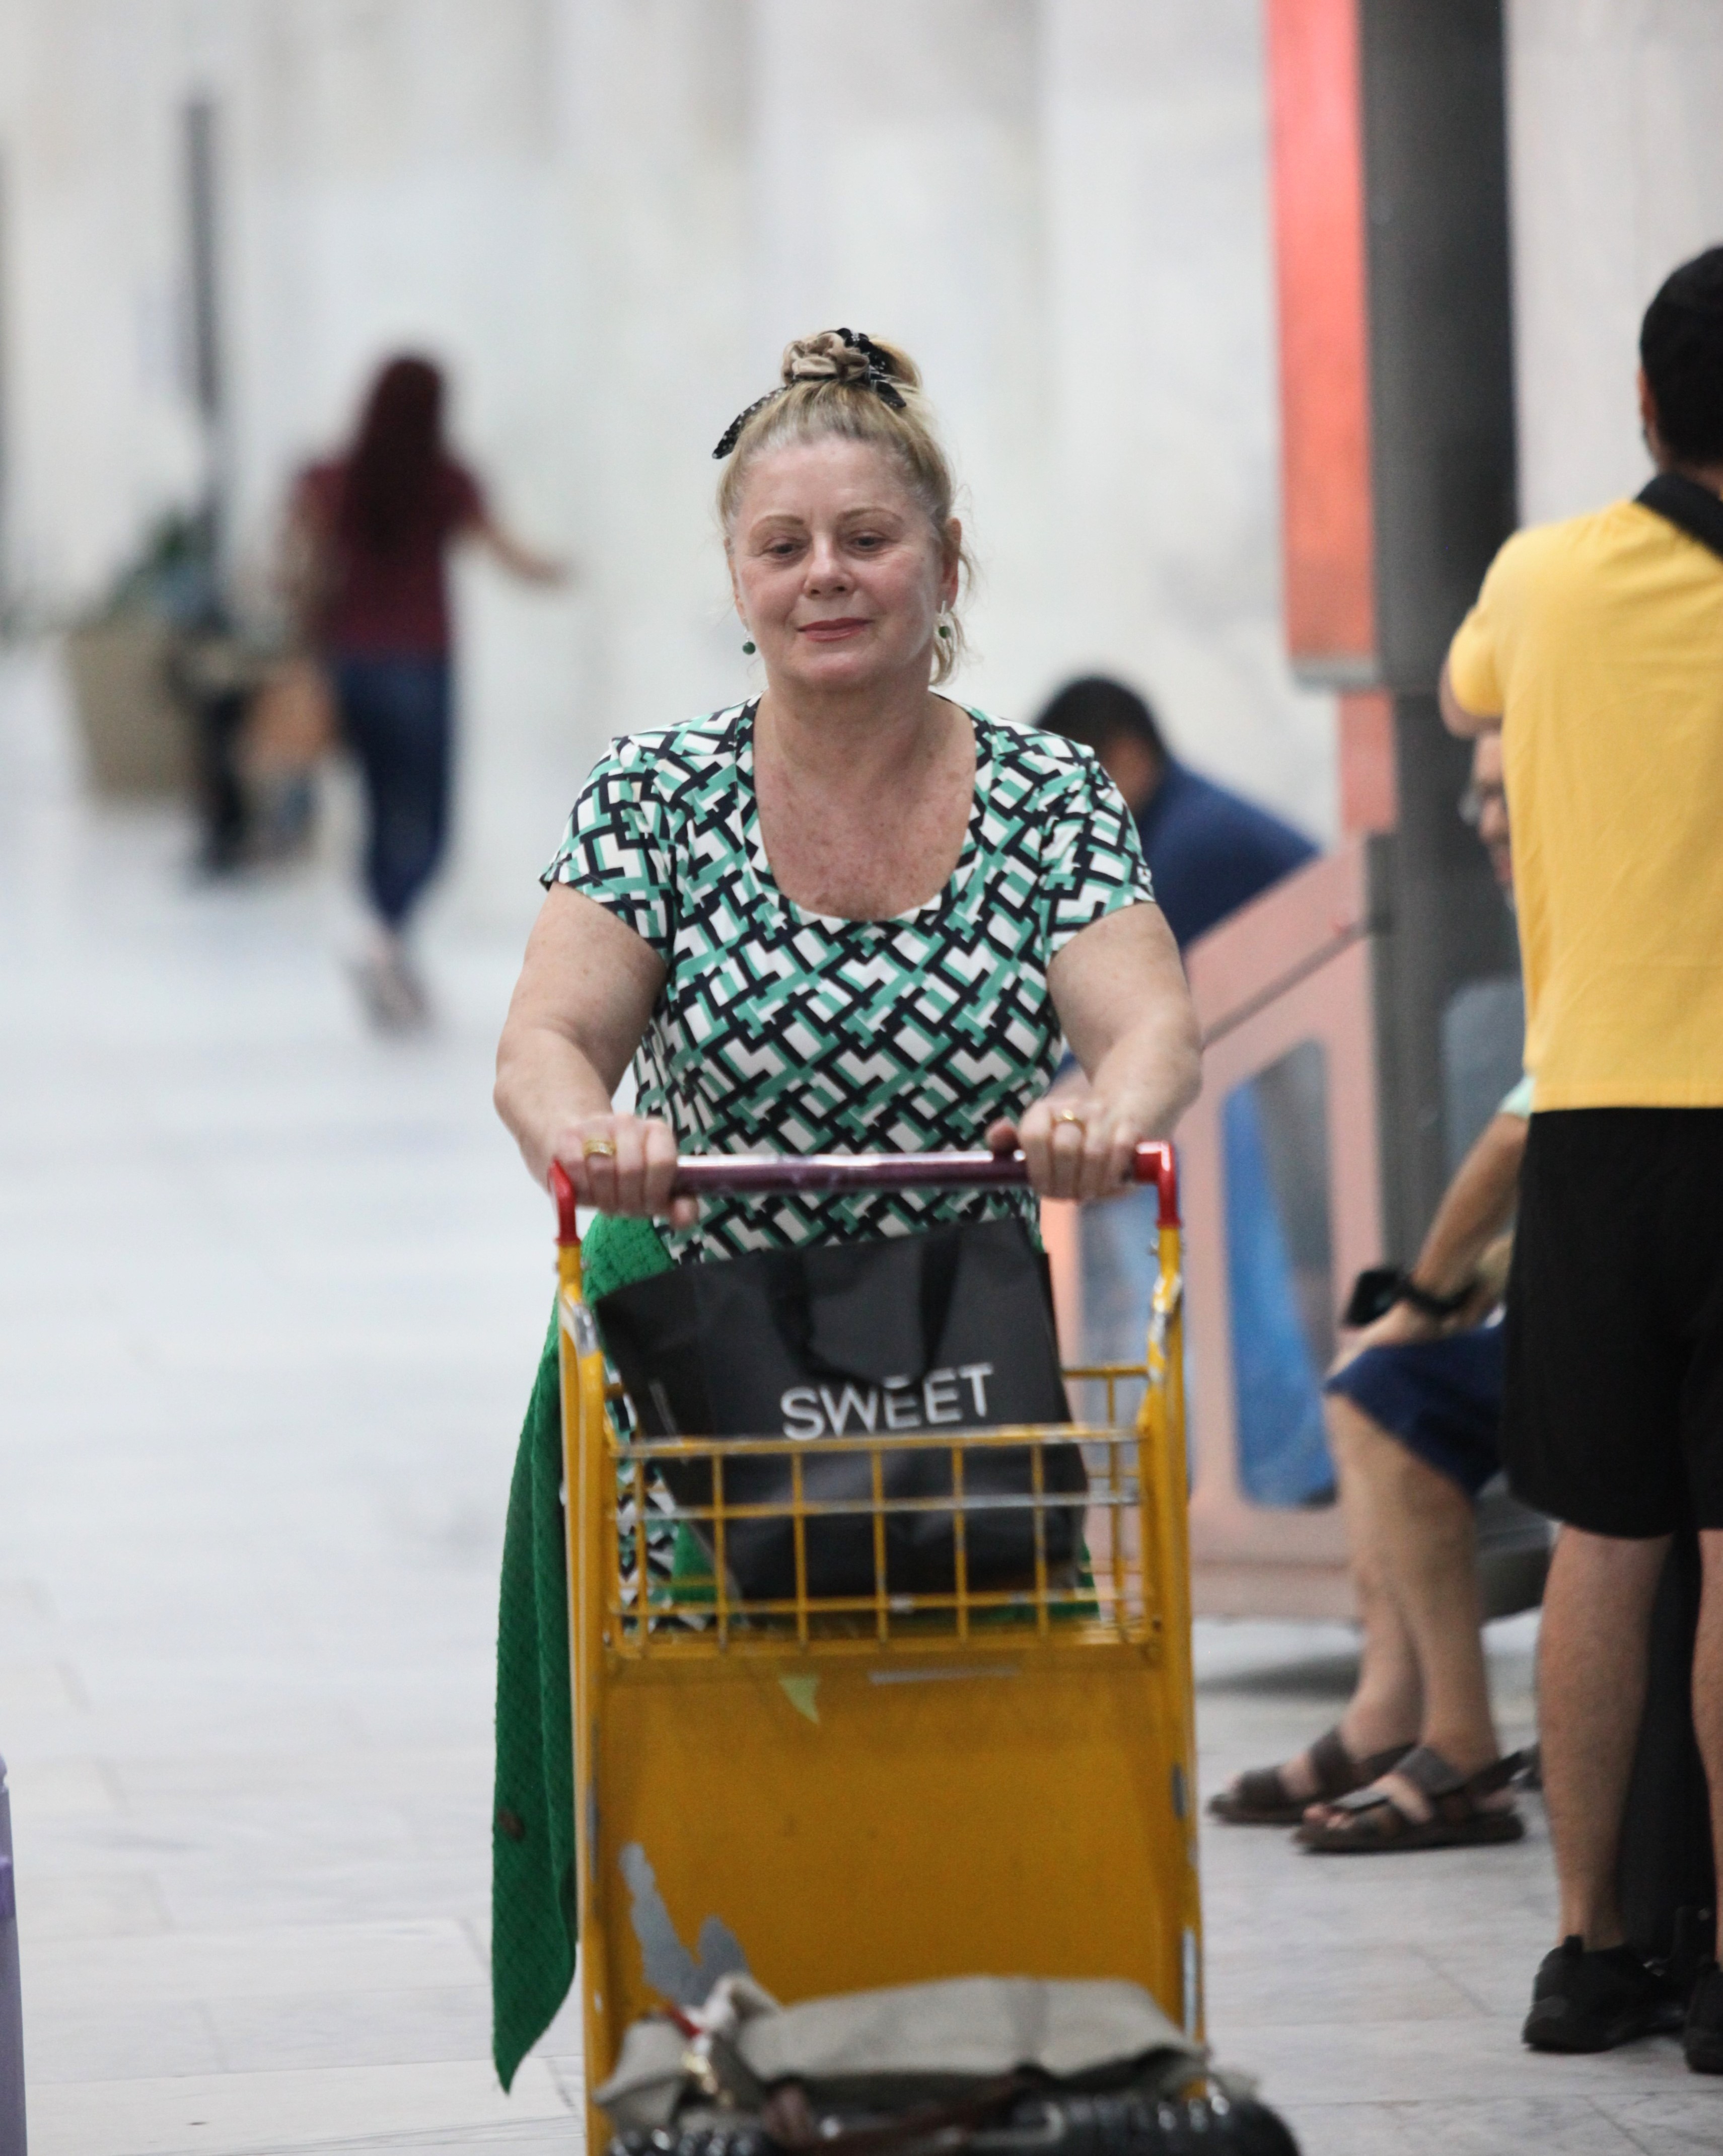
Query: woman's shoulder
{"points": [[459, 497], [670, 759], [1028, 758]]}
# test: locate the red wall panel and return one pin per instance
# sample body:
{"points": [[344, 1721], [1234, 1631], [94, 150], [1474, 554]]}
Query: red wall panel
{"points": [[1317, 122]]}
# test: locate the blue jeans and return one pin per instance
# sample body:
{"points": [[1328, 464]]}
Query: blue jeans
{"points": [[396, 714]]}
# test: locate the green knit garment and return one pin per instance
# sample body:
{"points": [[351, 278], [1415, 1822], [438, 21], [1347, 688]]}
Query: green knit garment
{"points": [[534, 1905]]}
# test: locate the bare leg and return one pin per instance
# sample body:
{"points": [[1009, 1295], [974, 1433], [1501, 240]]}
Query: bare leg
{"points": [[1426, 1533], [1591, 1693], [1386, 1703], [1708, 1681], [1389, 1703]]}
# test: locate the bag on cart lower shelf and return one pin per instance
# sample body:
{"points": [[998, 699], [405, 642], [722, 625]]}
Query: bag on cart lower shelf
{"points": [[925, 1334], [998, 2065]]}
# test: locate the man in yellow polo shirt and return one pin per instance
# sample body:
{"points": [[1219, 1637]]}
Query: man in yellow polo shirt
{"points": [[1597, 646]]}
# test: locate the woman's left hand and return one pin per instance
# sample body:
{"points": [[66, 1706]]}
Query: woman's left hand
{"points": [[1079, 1142]]}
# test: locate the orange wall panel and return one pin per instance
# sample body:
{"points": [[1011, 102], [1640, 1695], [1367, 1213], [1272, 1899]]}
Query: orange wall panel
{"points": [[1369, 785], [1317, 123]]}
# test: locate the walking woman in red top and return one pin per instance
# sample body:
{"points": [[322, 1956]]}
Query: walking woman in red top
{"points": [[374, 530]]}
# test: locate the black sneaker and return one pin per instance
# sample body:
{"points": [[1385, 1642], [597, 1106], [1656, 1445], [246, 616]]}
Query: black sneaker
{"points": [[1702, 2033], [1592, 2002]]}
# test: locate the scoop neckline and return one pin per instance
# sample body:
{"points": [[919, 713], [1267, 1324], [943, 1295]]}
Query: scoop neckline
{"points": [[760, 867]]}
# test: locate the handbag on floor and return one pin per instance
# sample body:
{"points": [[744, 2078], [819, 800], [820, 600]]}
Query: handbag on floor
{"points": [[292, 723], [950, 1330]]}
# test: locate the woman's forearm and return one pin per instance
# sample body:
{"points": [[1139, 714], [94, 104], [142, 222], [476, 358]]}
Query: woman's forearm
{"points": [[1155, 1066], [545, 1085], [577, 1015], [1121, 997]]}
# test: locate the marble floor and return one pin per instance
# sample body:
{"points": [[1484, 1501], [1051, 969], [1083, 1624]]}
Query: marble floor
{"points": [[270, 1291]]}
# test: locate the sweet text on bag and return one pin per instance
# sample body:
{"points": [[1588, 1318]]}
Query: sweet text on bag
{"points": [[940, 1397]]}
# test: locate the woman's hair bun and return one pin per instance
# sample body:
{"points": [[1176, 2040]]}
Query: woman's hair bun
{"points": [[846, 385], [842, 356]]}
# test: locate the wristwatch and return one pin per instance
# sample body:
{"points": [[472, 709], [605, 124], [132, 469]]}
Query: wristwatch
{"points": [[1376, 1290], [1428, 1304]]}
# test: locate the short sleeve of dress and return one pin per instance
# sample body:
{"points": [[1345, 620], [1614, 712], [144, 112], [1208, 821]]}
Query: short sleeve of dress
{"points": [[461, 502], [616, 848], [1092, 860]]}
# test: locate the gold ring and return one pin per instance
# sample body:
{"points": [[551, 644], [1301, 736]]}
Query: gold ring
{"points": [[598, 1148], [1069, 1115]]}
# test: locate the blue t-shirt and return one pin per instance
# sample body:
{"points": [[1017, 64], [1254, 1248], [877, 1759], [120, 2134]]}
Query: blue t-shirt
{"points": [[1209, 851]]}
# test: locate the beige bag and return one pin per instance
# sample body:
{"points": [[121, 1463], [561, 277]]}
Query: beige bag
{"points": [[910, 2044], [292, 724]]}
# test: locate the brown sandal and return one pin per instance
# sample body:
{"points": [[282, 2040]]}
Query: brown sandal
{"points": [[1261, 1799], [1370, 1822]]}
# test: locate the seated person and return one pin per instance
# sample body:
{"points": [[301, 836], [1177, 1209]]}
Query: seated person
{"points": [[1209, 851], [1413, 1409]]}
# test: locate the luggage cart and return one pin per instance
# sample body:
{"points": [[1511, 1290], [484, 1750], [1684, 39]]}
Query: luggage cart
{"points": [[840, 1793]]}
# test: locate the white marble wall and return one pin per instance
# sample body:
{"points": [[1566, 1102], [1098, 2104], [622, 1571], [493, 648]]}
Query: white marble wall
{"points": [[1163, 439], [610, 215], [1617, 137]]}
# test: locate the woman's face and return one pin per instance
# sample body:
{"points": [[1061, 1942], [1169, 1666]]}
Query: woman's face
{"points": [[838, 574]]}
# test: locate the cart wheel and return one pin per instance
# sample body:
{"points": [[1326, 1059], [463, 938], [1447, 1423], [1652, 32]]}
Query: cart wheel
{"points": [[1212, 2125]]}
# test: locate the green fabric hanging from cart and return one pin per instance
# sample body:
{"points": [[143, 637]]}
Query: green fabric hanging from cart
{"points": [[534, 1905]]}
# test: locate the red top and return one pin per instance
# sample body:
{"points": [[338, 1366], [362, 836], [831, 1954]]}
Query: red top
{"points": [[391, 604]]}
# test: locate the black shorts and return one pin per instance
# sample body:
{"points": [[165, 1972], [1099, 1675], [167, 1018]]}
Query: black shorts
{"points": [[1614, 1416]]}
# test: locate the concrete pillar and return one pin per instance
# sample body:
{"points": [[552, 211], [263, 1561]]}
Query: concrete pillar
{"points": [[1158, 305], [895, 187]]}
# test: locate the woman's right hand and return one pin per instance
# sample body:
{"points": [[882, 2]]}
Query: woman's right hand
{"points": [[625, 1165]]}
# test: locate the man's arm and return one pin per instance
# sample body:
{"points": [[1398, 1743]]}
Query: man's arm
{"points": [[1475, 1207], [1467, 725]]}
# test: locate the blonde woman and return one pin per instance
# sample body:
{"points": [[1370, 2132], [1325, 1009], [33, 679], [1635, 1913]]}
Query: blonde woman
{"points": [[850, 913]]}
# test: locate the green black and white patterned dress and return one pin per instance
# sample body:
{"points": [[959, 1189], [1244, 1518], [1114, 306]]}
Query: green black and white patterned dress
{"points": [[780, 1030]]}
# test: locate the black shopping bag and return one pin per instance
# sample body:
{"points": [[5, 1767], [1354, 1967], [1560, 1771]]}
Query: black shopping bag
{"points": [[949, 1330]]}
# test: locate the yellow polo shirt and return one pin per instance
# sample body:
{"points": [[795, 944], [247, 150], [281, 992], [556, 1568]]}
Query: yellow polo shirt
{"points": [[1601, 642]]}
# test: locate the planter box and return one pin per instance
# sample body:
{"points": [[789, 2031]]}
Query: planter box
{"points": [[136, 732]]}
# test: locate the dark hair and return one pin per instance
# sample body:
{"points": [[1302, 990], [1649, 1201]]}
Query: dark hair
{"points": [[1096, 711], [392, 467], [1681, 349]]}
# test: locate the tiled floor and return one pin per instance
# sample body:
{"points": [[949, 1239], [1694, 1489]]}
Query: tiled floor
{"points": [[1380, 2000], [269, 1291]]}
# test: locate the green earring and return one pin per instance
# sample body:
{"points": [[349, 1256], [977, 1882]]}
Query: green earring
{"points": [[750, 647]]}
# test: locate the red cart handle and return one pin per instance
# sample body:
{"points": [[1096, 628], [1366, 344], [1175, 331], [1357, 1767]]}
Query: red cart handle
{"points": [[706, 1175]]}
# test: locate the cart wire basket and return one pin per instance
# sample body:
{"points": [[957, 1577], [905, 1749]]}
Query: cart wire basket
{"points": [[842, 1791]]}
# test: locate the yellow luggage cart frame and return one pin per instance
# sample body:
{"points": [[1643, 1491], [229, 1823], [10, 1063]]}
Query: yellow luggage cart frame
{"points": [[842, 1792]]}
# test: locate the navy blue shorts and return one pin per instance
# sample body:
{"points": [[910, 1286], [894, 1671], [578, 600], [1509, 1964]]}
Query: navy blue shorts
{"points": [[1442, 1399]]}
